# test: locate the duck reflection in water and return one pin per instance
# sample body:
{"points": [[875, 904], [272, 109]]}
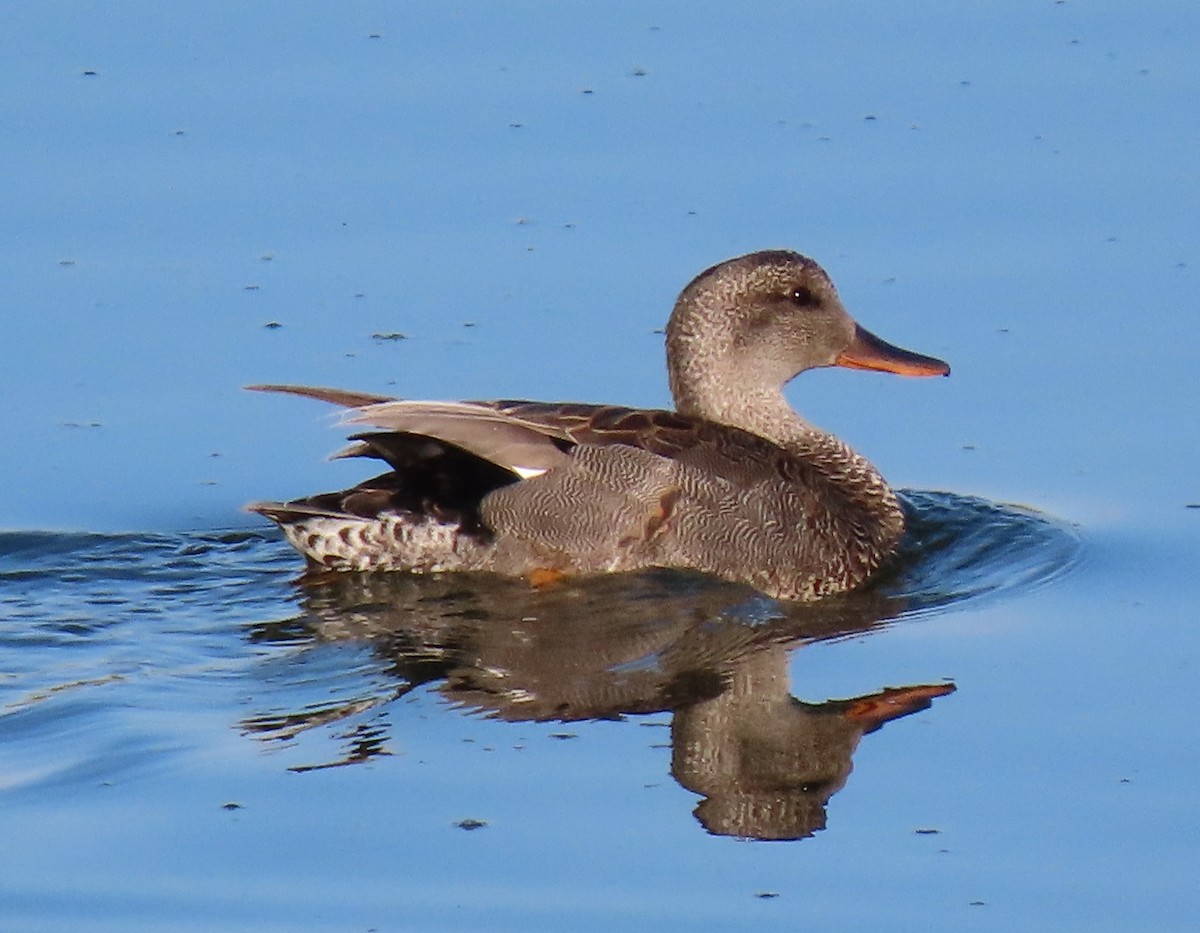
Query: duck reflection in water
{"points": [[714, 655]]}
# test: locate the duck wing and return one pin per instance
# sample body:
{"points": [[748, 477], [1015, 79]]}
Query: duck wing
{"points": [[529, 438], [342, 397], [482, 429]]}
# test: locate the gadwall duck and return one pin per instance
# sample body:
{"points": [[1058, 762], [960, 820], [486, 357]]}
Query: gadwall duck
{"points": [[732, 483]]}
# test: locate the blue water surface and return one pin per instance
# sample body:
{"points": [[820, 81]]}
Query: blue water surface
{"points": [[502, 200]]}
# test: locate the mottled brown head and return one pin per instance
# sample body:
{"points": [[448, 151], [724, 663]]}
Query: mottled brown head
{"points": [[750, 324]]}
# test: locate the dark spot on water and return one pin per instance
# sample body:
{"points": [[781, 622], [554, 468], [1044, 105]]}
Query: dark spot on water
{"points": [[1192, 505], [978, 903], [267, 257], [251, 288], [66, 262], [766, 895], [470, 825], [90, 73], [639, 72], [374, 35], [272, 325], [178, 132], [564, 735], [391, 335], [231, 806], [927, 832], [870, 118]]}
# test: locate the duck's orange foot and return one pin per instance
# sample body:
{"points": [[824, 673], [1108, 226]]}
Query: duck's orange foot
{"points": [[542, 577]]}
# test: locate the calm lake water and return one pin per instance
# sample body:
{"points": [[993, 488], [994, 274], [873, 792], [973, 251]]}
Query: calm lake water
{"points": [[476, 200]]}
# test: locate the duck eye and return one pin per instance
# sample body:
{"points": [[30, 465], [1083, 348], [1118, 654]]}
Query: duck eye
{"points": [[803, 297]]}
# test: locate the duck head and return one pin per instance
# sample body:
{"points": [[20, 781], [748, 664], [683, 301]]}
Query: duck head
{"points": [[742, 329]]}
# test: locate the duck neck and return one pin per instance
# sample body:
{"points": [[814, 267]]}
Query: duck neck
{"points": [[761, 410], [765, 412], [769, 415]]}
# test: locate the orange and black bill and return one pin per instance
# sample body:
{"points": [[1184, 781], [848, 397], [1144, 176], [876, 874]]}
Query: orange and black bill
{"points": [[867, 351]]}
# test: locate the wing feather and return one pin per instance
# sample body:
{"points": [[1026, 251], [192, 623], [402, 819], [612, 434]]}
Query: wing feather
{"points": [[525, 449]]}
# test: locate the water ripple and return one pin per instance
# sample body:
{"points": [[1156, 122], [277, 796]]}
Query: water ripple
{"points": [[119, 641]]}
